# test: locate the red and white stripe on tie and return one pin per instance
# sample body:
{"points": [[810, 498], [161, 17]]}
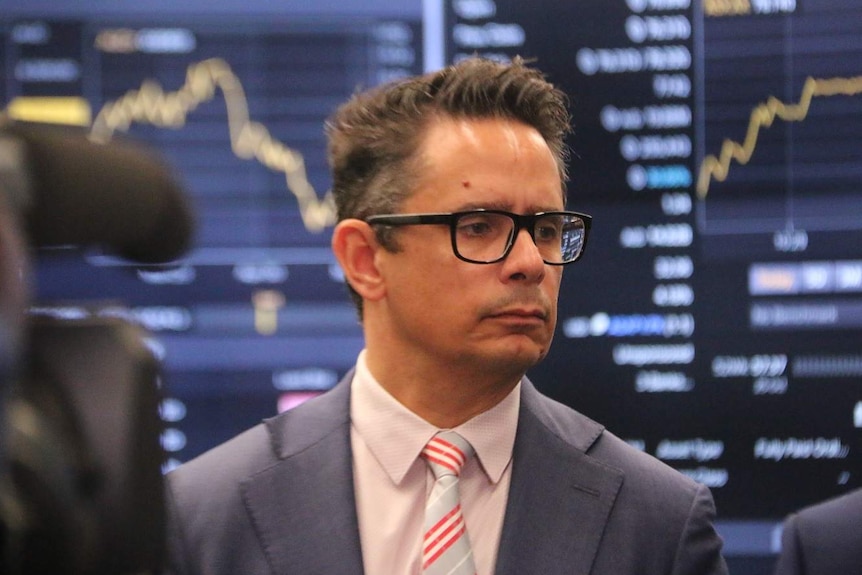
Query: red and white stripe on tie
{"points": [[445, 453], [446, 546]]}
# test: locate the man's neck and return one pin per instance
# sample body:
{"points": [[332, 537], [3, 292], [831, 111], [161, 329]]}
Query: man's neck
{"points": [[444, 395]]}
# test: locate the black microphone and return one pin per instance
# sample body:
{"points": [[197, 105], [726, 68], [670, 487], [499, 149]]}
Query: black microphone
{"points": [[119, 195]]}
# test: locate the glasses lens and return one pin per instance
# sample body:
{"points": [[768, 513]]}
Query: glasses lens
{"points": [[483, 237], [559, 237]]}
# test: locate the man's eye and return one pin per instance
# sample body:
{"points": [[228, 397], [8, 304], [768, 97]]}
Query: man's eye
{"points": [[476, 226], [547, 232], [475, 229]]}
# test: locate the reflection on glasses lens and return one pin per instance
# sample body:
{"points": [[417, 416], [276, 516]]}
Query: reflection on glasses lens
{"points": [[485, 237]]}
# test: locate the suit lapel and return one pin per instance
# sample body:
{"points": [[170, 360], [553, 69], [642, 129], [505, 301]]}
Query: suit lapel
{"points": [[303, 507], [559, 499]]}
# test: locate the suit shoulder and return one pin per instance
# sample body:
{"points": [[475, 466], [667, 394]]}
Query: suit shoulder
{"points": [[830, 524], [274, 438], [836, 513], [823, 537], [642, 471], [227, 463], [656, 515], [620, 453], [223, 467]]}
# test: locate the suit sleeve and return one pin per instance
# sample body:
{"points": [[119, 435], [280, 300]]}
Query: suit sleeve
{"points": [[790, 559], [699, 550], [176, 564]]}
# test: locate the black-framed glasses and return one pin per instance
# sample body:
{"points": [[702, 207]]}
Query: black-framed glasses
{"points": [[487, 236]]}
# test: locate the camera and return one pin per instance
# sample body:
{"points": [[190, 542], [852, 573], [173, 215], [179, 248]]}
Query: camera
{"points": [[80, 452]]}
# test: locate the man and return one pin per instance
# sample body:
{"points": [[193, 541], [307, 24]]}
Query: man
{"points": [[823, 539], [452, 236]]}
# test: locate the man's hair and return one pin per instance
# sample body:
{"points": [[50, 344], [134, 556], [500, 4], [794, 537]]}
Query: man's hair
{"points": [[374, 136]]}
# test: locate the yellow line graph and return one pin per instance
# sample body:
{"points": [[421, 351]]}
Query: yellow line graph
{"points": [[717, 168], [249, 140]]}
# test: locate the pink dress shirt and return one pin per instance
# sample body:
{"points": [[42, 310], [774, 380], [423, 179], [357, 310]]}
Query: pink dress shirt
{"points": [[392, 481]]}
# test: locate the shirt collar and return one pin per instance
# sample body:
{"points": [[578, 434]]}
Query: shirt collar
{"points": [[396, 436]]}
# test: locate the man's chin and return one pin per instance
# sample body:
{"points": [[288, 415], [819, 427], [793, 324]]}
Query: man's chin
{"points": [[520, 355]]}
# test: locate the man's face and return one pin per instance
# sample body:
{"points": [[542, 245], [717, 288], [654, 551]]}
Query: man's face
{"points": [[440, 308]]}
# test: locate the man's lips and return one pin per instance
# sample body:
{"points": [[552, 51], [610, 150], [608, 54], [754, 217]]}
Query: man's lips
{"points": [[529, 313]]}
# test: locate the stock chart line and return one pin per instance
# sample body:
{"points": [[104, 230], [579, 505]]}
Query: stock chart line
{"points": [[717, 167], [249, 140]]}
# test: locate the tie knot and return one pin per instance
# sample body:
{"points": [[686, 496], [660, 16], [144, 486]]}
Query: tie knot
{"points": [[446, 453]]}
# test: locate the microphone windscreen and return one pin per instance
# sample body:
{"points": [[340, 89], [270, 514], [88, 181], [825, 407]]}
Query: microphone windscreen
{"points": [[120, 195]]}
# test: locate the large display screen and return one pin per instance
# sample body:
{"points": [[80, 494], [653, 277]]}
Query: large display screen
{"points": [[256, 316], [716, 318], [715, 322]]}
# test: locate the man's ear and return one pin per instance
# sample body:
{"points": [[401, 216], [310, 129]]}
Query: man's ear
{"points": [[355, 245]]}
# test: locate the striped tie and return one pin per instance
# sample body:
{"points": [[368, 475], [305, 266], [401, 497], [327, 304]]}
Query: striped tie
{"points": [[446, 546]]}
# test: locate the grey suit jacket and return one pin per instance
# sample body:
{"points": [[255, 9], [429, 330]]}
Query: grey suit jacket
{"points": [[279, 500], [824, 539]]}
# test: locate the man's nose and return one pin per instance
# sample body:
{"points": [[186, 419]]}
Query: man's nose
{"points": [[524, 259]]}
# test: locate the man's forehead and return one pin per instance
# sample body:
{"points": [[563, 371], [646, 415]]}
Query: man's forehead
{"points": [[468, 151]]}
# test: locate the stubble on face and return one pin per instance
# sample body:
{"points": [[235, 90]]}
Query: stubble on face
{"points": [[494, 320]]}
